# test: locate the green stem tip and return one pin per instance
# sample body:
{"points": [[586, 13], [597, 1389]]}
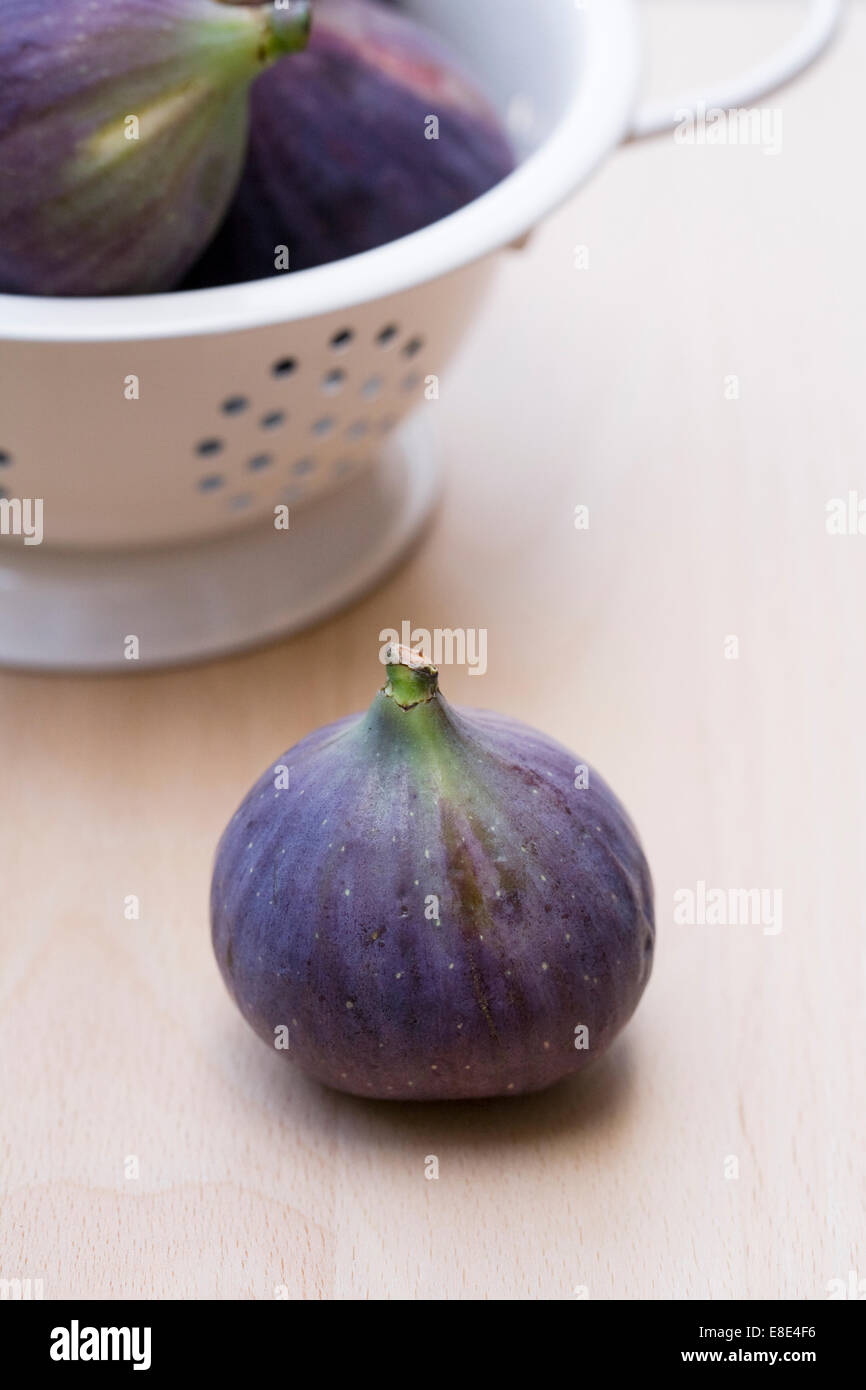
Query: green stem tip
{"points": [[289, 25], [410, 680]]}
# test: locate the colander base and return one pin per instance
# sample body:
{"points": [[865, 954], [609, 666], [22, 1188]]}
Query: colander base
{"points": [[79, 611]]}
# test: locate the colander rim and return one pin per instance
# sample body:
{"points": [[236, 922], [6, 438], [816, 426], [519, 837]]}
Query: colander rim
{"points": [[592, 125]]}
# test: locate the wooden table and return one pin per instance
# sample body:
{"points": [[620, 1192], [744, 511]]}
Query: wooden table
{"points": [[607, 387]]}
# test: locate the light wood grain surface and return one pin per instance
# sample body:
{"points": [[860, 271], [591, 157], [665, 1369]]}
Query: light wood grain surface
{"points": [[604, 387]]}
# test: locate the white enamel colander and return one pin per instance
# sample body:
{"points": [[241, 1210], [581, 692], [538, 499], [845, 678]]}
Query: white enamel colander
{"points": [[158, 512]]}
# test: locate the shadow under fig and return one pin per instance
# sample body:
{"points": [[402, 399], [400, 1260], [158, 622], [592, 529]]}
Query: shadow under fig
{"points": [[597, 1097]]}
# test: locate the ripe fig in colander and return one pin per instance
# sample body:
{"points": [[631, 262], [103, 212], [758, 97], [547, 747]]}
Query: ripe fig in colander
{"points": [[374, 132], [122, 133], [424, 902]]}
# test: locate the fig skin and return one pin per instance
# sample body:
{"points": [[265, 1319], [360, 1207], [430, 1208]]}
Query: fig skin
{"points": [[338, 162], [323, 923], [84, 210]]}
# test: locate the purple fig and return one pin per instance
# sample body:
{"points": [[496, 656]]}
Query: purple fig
{"points": [[122, 132], [422, 902], [374, 132]]}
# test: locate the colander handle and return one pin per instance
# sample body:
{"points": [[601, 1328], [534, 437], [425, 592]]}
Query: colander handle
{"points": [[821, 24]]}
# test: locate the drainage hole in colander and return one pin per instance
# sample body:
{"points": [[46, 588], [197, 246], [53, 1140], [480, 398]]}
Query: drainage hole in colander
{"points": [[284, 367], [273, 420], [372, 388], [4, 492], [410, 382], [324, 426], [303, 466], [385, 426], [358, 429], [260, 461], [343, 467], [342, 340], [234, 405], [212, 483], [386, 337], [5, 459], [334, 382], [413, 347], [208, 447], [241, 501]]}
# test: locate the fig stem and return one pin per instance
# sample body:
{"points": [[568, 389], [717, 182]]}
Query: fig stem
{"points": [[410, 680], [290, 26]]}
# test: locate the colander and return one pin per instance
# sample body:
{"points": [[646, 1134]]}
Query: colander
{"points": [[161, 432]]}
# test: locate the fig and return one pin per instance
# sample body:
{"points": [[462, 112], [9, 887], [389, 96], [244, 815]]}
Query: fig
{"points": [[374, 132], [423, 902], [122, 134]]}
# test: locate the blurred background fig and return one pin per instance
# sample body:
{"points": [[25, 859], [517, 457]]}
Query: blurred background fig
{"points": [[122, 135], [422, 902], [374, 132]]}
